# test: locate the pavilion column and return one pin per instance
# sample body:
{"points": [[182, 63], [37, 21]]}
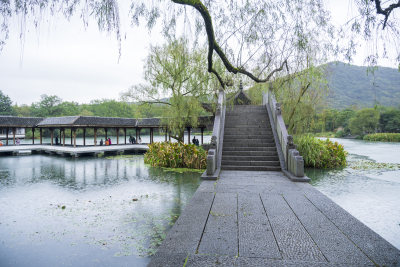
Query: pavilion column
{"points": [[169, 135], [14, 132], [84, 136], [166, 133], [74, 133], [137, 135], [33, 136], [63, 134], [151, 135], [95, 136], [188, 129], [202, 133], [117, 130], [71, 136], [41, 136], [51, 135], [7, 130], [105, 130], [125, 135]]}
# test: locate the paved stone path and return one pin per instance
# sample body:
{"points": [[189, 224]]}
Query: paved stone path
{"points": [[263, 219]]}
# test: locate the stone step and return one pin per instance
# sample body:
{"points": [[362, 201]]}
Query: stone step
{"points": [[247, 113], [256, 148], [234, 127], [245, 107], [247, 131], [229, 157], [233, 136], [249, 123], [248, 143], [247, 116], [249, 163], [244, 153], [251, 168]]}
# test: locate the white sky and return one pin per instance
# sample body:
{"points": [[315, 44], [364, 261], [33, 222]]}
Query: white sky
{"points": [[63, 58]]}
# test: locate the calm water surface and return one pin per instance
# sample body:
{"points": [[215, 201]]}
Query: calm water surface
{"points": [[114, 211], [369, 191]]}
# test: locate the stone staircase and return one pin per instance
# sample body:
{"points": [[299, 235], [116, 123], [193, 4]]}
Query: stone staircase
{"points": [[248, 140]]}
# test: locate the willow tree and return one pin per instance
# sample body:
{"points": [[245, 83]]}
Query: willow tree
{"points": [[258, 39], [176, 78]]}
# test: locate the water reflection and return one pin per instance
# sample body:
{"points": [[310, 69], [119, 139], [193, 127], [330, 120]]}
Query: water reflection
{"points": [[113, 211]]}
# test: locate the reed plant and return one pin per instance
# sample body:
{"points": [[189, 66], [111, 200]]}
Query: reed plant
{"points": [[320, 154], [383, 137], [176, 155]]}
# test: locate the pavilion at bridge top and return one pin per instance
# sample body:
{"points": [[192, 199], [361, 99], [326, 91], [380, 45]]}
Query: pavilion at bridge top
{"points": [[83, 122]]}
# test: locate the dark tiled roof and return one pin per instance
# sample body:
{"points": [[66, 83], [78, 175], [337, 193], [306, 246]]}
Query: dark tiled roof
{"points": [[149, 122], [103, 121], [13, 121], [58, 121], [86, 121]]}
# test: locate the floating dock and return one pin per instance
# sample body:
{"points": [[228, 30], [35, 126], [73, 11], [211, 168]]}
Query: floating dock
{"points": [[73, 151]]}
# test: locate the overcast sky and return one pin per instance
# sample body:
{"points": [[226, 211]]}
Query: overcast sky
{"points": [[63, 58]]}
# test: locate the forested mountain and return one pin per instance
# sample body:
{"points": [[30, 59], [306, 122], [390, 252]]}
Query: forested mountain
{"points": [[352, 85]]}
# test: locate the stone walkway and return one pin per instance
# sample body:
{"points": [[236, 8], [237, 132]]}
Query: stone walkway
{"points": [[264, 219]]}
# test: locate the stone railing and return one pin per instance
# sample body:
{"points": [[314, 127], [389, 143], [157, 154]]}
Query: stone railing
{"points": [[292, 163], [215, 152]]}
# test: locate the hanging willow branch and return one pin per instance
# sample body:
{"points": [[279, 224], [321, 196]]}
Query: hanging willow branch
{"points": [[214, 46]]}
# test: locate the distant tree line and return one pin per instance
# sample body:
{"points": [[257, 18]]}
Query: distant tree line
{"points": [[54, 106], [351, 121]]}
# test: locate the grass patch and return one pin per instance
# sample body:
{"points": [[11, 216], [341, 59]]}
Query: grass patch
{"points": [[176, 155], [320, 154], [383, 137], [182, 170]]}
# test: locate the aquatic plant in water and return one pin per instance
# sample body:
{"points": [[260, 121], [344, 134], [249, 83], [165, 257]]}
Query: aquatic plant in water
{"points": [[321, 154], [176, 155]]}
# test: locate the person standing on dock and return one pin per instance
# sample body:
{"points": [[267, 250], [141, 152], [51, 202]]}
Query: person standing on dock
{"points": [[109, 141], [57, 140], [101, 142]]}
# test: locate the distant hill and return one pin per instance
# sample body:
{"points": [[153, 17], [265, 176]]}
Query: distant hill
{"points": [[352, 85]]}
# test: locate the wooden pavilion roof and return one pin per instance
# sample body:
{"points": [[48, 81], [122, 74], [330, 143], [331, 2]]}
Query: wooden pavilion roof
{"points": [[89, 122], [19, 122]]}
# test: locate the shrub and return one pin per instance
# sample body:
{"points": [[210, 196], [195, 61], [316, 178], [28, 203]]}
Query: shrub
{"points": [[340, 134], [321, 154], [176, 155], [384, 137]]}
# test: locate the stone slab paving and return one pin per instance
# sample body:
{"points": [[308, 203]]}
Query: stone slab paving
{"points": [[264, 219]]}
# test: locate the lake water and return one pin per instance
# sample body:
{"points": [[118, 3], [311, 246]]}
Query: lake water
{"points": [[112, 211], [369, 188]]}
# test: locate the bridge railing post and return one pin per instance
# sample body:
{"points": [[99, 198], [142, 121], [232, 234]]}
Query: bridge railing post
{"points": [[215, 151], [292, 163]]}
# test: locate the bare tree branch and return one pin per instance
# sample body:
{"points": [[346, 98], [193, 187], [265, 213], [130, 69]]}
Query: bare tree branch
{"points": [[385, 11]]}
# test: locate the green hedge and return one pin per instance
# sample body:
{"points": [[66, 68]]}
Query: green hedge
{"points": [[321, 154], [176, 155], [384, 137]]}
